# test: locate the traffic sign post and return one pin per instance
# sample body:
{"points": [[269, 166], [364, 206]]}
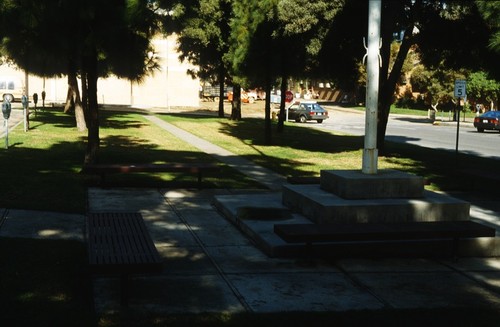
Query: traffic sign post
{"points": [[460, 92]]}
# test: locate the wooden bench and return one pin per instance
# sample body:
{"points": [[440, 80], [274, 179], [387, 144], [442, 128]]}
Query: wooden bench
{"points": [[194, 168], [119, 243], [316, 233]]}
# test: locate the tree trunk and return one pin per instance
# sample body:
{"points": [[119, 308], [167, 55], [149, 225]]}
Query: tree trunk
{"points": [[222, 77], [93, 140], [85, 98], [282, 115], [267, 110], [73, 101], [236, 103], [72, 92], [388, 80]]}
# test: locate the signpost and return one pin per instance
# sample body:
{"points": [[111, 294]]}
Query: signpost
{"points": [[460, 93]]}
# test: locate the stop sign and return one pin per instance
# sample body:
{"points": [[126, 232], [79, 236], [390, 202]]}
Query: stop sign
{"points": [[289, 96]]}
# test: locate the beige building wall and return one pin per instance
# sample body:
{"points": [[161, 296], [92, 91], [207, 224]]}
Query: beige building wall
{"points": [[170, 86]]}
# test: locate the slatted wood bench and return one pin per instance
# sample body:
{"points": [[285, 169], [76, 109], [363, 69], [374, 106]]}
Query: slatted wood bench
{"points": [[119, 243], [103, 169], [316, 233]]}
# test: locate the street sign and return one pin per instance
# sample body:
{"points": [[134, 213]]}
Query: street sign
{"points": [[460, 88]]}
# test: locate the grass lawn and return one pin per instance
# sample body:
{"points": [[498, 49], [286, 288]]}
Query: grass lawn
{"points": [[303, 151], [41, 168], [43, 283]]}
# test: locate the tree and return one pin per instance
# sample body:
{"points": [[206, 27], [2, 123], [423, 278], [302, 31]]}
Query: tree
{"points": [[439, 28], [481, 88], [28, 32], [436, 85], [202, 27], [490, 11], [88, 37], [275, 40]]}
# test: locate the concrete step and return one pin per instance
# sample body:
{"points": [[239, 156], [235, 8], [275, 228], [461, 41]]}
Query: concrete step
{"points": [[323, 207], [387, 183], [261, 233]]}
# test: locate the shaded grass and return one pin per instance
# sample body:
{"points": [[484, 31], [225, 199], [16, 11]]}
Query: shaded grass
{"points": [[41, 168], [43, 283]]}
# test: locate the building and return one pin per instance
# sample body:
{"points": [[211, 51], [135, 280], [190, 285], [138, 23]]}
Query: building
{"points": [[170, 86]]}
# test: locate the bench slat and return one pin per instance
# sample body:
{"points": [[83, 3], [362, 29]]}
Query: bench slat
{"points": [[193, 168], [307, 233], [120, 242], [169, 167]]}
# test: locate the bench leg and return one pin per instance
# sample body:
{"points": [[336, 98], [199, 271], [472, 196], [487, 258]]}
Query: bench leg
{"points": [[102, 179], [455, 249], [124, 290]]}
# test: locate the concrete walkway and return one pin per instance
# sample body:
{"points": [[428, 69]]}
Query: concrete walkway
{"points": [[210, 266], [263, 175]]}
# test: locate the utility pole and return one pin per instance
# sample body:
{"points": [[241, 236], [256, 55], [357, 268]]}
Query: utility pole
{"points": [[370, 151]]}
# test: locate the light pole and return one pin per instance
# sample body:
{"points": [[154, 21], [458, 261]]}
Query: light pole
{"points": [[370, 151], [166, 68]]}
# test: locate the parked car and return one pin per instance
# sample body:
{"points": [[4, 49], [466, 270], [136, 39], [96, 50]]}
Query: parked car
{"points": [[11, 88], [302, 111], [489, 120]]}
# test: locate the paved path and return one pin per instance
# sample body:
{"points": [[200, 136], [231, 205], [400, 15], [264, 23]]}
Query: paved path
{"points": [[263, 175], [15, 119]]}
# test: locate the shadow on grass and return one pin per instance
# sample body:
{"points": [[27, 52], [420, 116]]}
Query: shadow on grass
{"points": [[250, 132], [437, 166], [41, 168], [44, 283]]}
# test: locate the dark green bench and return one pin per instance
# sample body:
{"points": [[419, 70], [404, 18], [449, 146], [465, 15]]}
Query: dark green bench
{"points": [[103, 169], [119, 243], [361, 232]]}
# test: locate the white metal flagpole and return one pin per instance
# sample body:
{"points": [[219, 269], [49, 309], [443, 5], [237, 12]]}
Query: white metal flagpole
{"points": [[370, 152]]}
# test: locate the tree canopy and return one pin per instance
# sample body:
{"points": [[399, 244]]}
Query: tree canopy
{"points": [[448, 34], [251, 42], [87, 37]]}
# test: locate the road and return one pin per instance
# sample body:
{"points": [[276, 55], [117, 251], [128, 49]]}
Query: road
{"points": [[419, 131]]}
